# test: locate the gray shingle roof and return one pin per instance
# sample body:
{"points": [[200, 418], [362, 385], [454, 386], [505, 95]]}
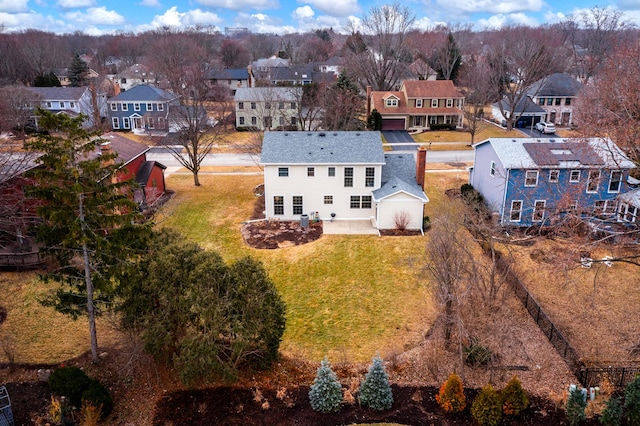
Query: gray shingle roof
{"points": [[291, 148], [399, 175], [229, 74], [270, 94], [524, 106], [513, 153], [58, 93], [558, 84], [631, 197], [143, 93]]}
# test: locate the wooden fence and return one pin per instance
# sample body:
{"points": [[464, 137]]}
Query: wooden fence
{"points": [[21, 261]]}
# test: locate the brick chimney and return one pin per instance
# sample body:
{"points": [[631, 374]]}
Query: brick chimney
{"points": [[106, 150], [421, 160]]}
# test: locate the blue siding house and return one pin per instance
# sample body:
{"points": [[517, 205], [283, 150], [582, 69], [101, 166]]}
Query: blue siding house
{"points": [[530, 181], [141, 108]]}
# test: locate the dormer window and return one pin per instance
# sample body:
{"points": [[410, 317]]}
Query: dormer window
{"points": [[449, 103], [391, 102], [418, 103], [434, 103]]}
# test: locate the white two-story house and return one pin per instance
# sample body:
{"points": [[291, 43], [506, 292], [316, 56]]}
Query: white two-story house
{"points": [[341, 176]]}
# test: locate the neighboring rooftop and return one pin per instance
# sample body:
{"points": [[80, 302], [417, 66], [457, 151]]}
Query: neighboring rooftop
{"points": [[558, 84], [144, 92], [399, 175], [267, 94], [557, 153]]}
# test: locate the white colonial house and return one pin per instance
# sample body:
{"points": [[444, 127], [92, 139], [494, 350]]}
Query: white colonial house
{"points": [[341, 176]]}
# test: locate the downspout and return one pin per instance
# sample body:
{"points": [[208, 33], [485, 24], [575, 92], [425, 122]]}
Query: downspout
{"points": [[504, 197]]}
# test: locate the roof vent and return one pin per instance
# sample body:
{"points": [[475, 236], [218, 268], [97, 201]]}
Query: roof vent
{"points": [[513, 140], [335, 134], [322, 147], [286, 134], [552, 140], [358, 134], [322, 134]]}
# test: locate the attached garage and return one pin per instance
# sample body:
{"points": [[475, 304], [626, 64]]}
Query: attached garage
{"points": [[393, 124]]}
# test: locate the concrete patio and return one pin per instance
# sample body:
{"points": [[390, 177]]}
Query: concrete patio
{"points": [[355, 227]]}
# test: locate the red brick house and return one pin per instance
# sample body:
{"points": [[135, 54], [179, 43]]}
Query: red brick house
{"points": [[418, 105]]}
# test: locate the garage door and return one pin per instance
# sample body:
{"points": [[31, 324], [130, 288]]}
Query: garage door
{"points": [[393, 124]]}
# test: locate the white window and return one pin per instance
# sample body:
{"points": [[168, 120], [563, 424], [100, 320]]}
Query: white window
{"points": [[516, 211], [575, 176], [418, 103], [72, 104], [151, 123], [149, 107], [360, 202], [554, 175], [531, 178], [283, 171], [114, 106], [331, 171], [115, 123], [369, 176], [49, 105], [492, 171], [449, 103], [136, 107], [126, 123], [311, 171], [348, 177], [434, 103], [328, 199], [391, 102], [296, 204], [62, 105], [614, 181], [125, 107], [278, 205], [160, 107], [593, 181], [538, 210]]}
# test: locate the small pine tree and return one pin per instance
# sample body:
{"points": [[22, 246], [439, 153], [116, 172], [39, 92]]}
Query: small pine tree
{"points": [[514, 398], [451, 396], [375, 391], [632, 401], [326, 392], [487, 407], [612, 413], [576, 405]]}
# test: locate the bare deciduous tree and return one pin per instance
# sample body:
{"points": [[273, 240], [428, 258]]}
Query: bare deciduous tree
{"points": [[516, 63], [475, 85], [379, 64], [608, 106]]}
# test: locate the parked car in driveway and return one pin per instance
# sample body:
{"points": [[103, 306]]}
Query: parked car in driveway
{"points": [[544, 127]]}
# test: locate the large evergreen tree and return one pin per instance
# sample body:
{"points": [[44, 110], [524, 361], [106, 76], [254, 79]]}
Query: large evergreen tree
{"points": [[202, 316], [343, 106], [89, 225], [77, 72]]}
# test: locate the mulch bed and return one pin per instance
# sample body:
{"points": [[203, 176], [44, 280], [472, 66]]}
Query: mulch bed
{"points": [[412, 406], [273, 234]]}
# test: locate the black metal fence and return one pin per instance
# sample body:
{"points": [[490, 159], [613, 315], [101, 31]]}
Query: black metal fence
{"points": [[587, 376]]}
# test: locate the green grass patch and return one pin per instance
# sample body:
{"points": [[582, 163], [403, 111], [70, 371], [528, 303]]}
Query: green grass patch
{"points": [[489, 131]]}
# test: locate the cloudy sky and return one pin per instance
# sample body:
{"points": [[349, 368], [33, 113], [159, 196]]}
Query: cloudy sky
{"points": [[277, 16]]}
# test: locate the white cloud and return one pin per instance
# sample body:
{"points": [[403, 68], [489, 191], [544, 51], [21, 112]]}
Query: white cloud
{"points": [[495, 21], [302, 13], [261, 23], [23, 21], [498, 21], [13, 6], [522, 19], [173, 18], [96, 16], [74, 4], [492, 6], [335, 7], [241, 4], [425, 23], [554, 17], [150, 3]]}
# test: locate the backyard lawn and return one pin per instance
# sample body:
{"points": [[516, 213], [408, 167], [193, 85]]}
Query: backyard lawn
{"points": [[347, 296]]}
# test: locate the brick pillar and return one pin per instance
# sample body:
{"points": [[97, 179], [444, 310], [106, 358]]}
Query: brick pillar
{"points": [[421, 160]]}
